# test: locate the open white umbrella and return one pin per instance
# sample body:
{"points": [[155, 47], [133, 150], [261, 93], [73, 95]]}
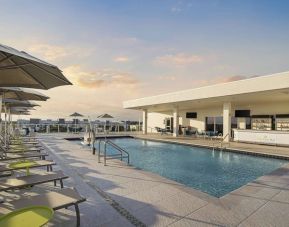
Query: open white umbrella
{"points": [[22, 94], [13, 103], [105, 117], [76, 116], [19, 69], [15, 93], [19, 103]]}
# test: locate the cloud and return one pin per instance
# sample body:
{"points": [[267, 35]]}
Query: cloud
{"points": [[55, 52], [121, 59], [167, 78], [100, 78], [179, 59], [49, 52]]}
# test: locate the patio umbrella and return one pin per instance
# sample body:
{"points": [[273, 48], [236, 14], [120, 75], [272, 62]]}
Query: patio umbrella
{"points": [[16, 93], [105, 117], [76, 115], [10, 103], [22, 94], [19, 103], [20, 69]]}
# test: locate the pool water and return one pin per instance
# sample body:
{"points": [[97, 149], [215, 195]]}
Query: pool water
{"points": [[214, 172]]}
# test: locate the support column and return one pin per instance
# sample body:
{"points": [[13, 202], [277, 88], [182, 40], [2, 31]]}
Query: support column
{"points": [[227, 121], [176, 122], [145, 122]]}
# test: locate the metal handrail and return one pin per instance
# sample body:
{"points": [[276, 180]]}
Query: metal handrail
{"points": [[117, 148], [108, 142], [221, 142]]}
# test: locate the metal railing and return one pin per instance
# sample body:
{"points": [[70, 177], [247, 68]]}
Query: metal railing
{"points": [[123, 154], [80, 128], [215, 146]]}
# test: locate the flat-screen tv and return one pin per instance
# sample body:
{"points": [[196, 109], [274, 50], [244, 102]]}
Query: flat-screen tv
{"points": [[191, 115], [242, 113]]}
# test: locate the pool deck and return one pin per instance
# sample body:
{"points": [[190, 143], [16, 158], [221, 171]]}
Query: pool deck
{"points": [[120, 195]]}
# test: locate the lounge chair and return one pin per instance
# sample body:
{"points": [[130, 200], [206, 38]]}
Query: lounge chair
{"points": [[31, 180], [55, 200], [162, 130], [24, 149], [39, 163], [26, 155]]}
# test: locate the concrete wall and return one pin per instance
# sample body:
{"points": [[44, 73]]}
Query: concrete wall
{"points": [[157, 119]]}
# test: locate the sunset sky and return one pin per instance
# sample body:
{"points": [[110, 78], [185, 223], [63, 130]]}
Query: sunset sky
{"points": [[116, 50]]}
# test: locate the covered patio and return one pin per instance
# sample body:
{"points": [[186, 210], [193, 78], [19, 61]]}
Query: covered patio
{"points": [[247, 105]]}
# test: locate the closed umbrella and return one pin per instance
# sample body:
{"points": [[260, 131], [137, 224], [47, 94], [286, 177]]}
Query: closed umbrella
{"points": [[20, 69]]}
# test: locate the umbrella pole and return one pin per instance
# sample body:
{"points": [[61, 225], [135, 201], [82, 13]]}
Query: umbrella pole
{"points": [[9, 124], [1, 97], [5, 126]]}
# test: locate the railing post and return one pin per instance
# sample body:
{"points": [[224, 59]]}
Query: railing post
{"points": [[105, 153], [99, 151]]}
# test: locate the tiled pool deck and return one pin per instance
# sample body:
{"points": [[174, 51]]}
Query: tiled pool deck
{"points": [[118, 193]]}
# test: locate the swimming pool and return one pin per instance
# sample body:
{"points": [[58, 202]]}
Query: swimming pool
{"points": [[216, 173]]}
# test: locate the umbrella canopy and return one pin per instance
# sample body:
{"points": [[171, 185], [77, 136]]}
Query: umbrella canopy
{"points": [[21, 108], [75, 114], [19, 112], [22, 94], [13, 110], [105, 116], [19, 103], [20, 69]]}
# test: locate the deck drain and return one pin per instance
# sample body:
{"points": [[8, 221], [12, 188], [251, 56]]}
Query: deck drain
{"points": [[122, 211]]}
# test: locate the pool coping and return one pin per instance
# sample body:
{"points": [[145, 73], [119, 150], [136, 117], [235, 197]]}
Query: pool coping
{"points": [[225, 149], [234, 150]]}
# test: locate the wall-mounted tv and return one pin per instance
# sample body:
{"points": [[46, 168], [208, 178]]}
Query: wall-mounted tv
{"points": [[191, 115], [242, 113]]}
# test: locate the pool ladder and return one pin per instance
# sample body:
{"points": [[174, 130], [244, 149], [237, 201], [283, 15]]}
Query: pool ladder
{"points": [[220, 143], [123, 154]]}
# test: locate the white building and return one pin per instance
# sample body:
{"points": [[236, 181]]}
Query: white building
{"points": [[256, 108]]}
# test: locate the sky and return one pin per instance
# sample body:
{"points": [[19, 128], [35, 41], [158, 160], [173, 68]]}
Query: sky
{"points": [[113, 51]]}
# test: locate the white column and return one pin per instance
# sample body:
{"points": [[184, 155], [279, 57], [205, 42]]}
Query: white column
{"points": [[145, 122], [176, 122], [227, 121]]}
